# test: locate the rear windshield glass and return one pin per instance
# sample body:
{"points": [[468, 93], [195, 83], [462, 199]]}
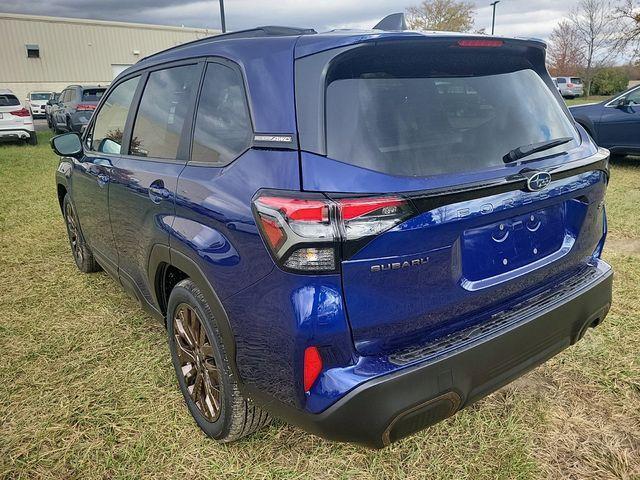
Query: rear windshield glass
{"points": [[40, 96], [577, 81], [409, 114], [8, 100], [92, 94]]}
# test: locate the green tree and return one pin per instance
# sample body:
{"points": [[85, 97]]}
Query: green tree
{"points": [[443, 15], [609, 81]]}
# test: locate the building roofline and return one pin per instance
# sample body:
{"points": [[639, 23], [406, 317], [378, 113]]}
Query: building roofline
{"points": [[109, 23]]}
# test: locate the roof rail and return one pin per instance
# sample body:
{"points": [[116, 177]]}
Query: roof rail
{"points": [[263, 31]]}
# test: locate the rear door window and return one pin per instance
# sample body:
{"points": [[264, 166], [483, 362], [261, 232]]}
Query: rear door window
{"points": [[223, 128], [108, 127], [92, 94], [577, 81], [164, 106], [400, 112], [561, 80]]}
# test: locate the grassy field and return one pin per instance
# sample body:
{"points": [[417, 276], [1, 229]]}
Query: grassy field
{"points": [[581, 100], [87, 389]]}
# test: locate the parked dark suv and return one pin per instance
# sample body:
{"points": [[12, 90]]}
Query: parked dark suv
{"points": [[74, 107], [358, 232]]}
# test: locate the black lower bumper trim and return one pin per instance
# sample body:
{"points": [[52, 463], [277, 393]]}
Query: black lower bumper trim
{"points": [[395, 405]]}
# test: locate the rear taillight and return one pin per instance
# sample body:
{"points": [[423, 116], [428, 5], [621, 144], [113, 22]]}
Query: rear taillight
{"points": [[311, 233], [23, 112], [570, 85], [83, 107]]}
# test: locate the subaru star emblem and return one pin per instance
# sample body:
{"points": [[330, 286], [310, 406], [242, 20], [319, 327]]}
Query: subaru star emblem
{"points": [[538, 181]]}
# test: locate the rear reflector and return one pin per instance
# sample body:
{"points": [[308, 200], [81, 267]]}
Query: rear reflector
{"points": [[312, 367], [480, 43], [23, 112]]}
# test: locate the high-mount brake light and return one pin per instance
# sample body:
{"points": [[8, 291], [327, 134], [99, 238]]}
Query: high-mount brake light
{"points": [[479, 42], [304, 232]]}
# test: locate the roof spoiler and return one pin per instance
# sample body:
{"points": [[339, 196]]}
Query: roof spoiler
{"points": [[395, 21]]}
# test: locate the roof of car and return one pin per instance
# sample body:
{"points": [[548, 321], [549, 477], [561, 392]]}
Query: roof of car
{"points": [[6, 91], [305, 40], [87, 87]]}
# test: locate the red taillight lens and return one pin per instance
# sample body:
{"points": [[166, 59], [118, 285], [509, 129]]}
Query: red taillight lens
{"points": [[23, 112], [304, 234], [480, 42], [299, 209], [312, 367], [85, 107], [363, 217], [272, 232]]}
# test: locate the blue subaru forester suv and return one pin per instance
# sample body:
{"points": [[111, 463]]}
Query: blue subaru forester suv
{"points": [[359, 232]]}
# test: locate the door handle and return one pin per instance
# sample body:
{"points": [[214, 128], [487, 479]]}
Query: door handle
{"points": [[157, 192], [103, 179]]}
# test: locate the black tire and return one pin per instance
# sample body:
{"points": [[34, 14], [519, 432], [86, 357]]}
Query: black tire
{"points": [[236, 416], [33, 138], [81, 252]]}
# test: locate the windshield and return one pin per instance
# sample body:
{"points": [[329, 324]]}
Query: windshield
{"points": [[7, 100], [40, 96], [92, 94], [392, 120], [577, 81]]}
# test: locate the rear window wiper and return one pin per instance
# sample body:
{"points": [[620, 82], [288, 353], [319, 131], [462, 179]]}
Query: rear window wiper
{"points": [[526, 150]]}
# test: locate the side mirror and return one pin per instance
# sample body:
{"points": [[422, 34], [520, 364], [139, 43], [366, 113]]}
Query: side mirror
{"points": [[622, 103], [67, 145]]}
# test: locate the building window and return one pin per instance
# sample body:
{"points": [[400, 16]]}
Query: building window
{"points": [[33, 51]]}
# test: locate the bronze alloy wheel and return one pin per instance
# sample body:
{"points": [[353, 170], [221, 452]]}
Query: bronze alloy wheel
{"points": [[74, 234], [197, 362]]}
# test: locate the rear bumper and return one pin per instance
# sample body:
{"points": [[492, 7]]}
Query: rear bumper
{"points": [[395, 405], [15, 134]]}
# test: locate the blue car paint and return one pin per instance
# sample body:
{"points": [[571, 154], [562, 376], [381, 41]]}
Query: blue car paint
{"points": [[214, 224], [206, 216], [614, 127]]}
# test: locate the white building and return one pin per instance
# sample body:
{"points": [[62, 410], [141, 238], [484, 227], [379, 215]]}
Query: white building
{"points": [[49, 53]]}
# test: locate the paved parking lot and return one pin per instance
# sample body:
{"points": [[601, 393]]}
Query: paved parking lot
{"points": [[40, 124]]}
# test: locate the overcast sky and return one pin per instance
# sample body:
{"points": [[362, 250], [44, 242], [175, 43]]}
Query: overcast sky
{"points": [[534, 18]]}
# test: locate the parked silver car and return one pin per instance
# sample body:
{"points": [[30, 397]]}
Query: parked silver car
{"points": [[570, 87]]}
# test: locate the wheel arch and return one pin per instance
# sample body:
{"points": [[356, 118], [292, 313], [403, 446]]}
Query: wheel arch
{"points": [[167, 267]]}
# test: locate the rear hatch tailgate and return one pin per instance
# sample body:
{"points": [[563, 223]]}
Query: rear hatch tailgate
{"points": [[432, 121]]}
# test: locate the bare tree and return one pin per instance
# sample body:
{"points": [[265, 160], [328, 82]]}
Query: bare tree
{"points": [[565, 55], [594, 27], [446, 15], [628, 15]]}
